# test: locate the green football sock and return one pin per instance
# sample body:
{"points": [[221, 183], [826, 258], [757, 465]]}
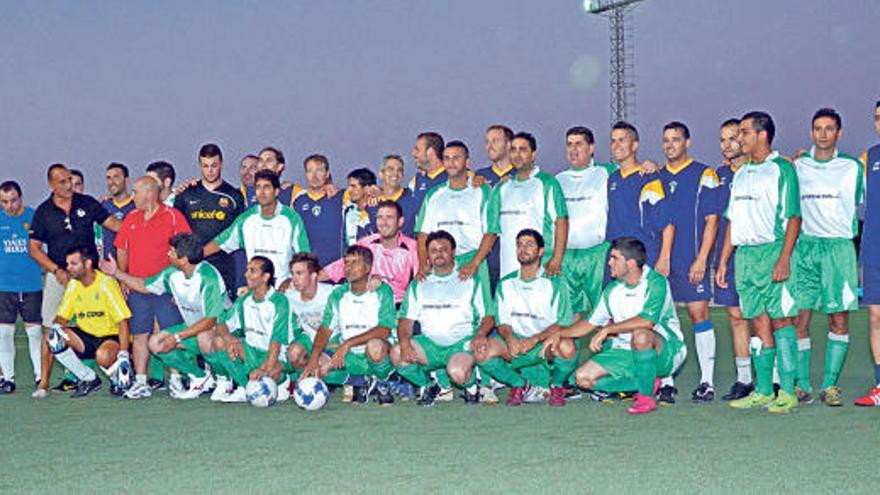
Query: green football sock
{"points": [[835, 355], [501, 371], [382, 369], [238, 370], [764, 359], [91, 363], [156, 368], [646, 370], [803, 364], [443, 378], [471, 382], [537, 375], [70, 376], [213, 359], [415, 373], [613, 385], [182, 361], [561, 370], [786, 355]]}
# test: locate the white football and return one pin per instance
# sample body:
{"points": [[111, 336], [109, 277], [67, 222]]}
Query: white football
{"points": [[310, 394], [262, 392]]}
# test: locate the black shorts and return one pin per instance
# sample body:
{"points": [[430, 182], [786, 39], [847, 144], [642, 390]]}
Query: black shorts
{"points": [[26, 304], [91, 343]]}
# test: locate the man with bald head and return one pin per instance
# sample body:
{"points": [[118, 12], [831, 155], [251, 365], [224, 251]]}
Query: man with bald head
{"points": [[142, 246]]}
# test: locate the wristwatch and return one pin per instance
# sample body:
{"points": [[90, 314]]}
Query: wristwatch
{"points": [[176, 338]]}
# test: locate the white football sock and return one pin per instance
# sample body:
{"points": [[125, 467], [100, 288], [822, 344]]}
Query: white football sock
{"points": [[35, 339], [140, 379], [667, 381], [72, 362], [744, 370], [7, 351], [705, 343], [775, 374]]}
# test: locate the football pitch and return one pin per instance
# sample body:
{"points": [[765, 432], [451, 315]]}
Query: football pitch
{"points": [[158, 445]]}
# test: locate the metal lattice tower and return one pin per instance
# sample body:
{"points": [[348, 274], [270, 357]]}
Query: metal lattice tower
{"points": [[622, 67]]}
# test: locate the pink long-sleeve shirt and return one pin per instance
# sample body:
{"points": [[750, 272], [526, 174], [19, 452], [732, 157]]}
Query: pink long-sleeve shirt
{"points": [[396, 266]]}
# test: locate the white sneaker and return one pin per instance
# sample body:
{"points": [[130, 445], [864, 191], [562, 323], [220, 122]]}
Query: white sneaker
{"points": [[487, 396], [138, 391], [175, 386], [237, 395], [536, 394], [40, 393], [197, 386], [223, 388], [446, 395], [283, 390]]}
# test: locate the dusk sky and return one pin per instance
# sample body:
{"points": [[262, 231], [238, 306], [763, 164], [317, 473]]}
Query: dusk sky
{"points": [[86, 83]]}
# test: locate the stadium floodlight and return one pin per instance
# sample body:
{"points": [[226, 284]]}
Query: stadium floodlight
{"points": [[622, 66]]}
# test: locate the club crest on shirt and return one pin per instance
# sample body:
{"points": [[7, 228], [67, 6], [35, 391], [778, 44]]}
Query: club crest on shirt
{"points": [[612, 186], [672, 186], [80, 212], [224, 202], [316, 210]]}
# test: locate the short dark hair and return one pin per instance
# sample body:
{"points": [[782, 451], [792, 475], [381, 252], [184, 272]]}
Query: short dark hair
{"points": [[580, 130], [361, 251], [534, 234], [762, 121], [120, 167], [364, 176], [270, 176], [210, 150], [828, 113], [533, 143], [877, 105], [266, 266], [86, 251], [626, 126], [57, 166], [163, 170], [313, 264], [251, 156], [730, 122], [393, 156], [187, 246], [440, 235], [433, 141], [387, 203], [10, 185], [316, 157], [279, 156], [508, 132], [678, 126], [631, 249], [459, 144], [74, 171]]}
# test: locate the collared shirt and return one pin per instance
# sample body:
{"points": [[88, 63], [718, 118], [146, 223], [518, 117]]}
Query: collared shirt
{"points": [[148, 241], [421, 183], [322, 217], [408, 204], [396, 266], [494, 175], [61, 231], [831, 191], [18, 271], [764, 196], [586, 198], [118, 211]]}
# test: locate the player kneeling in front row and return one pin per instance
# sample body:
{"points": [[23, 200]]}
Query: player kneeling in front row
{"points": [[451, 312], [530, 308], [102, 326], [250, 339], [307, 299], [638, 335], [361, 320]]}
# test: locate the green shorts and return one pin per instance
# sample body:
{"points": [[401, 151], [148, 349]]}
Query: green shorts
{"points": [[438, 355], [191, 344], [618, 362], [828, 275], [758, 294], [355, 364], [584, 271]]}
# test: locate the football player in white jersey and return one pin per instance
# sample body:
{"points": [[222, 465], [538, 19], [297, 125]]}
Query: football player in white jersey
{"points": [[308, 299]]}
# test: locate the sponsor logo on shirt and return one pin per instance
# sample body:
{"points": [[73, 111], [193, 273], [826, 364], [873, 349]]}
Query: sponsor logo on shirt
{"points": [[89, 314], [745, 197], [524, 315], [820, 196], [208, 215]]}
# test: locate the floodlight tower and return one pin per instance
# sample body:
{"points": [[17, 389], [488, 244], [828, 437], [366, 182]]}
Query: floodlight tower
{"points": [[623, 87]]}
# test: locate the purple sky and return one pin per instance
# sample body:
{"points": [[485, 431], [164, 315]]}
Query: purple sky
{"points": [[86, 83]]}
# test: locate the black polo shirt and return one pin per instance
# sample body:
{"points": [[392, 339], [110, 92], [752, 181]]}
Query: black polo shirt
{"points": [[61, 231]]}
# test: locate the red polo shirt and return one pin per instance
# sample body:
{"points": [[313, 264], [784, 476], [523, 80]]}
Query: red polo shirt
{"points": [[148, 241]]}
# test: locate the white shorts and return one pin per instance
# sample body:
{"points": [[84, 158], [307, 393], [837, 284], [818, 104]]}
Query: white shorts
{"points": [[53, 291]]}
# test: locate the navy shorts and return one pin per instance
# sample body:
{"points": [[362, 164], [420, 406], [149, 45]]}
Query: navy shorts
{"points": [[871, 284], [684, 291], [147, 307], [26, 304]]}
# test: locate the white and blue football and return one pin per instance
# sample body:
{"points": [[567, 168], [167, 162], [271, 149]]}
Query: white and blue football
{"points": [[310, 394], [262, 392]]}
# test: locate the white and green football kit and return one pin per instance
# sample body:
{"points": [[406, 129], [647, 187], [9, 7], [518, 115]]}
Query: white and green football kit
{"points": [[278, 237], [258, 324], [203, 295], [463, 213], [529, 307], [354, 314], [650, 299], [763, 197], [830, 193], [586, 197], [532, 203], [449, 311], [306, 316]]}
